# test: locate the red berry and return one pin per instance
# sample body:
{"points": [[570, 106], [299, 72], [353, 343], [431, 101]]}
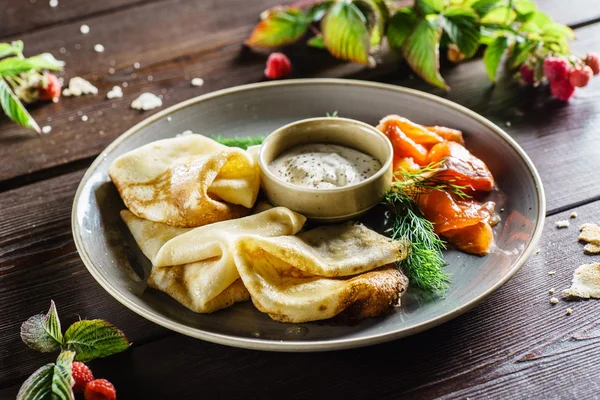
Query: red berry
{"points": [[556, 68], [100, 389], [51, 89], [562, 89], [81, 375], [527, 74], [593, 61], [580, 76], [278, 66]]}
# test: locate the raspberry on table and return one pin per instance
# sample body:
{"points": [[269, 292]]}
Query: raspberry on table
{"points": [[278, 66], [100, 389], [527, 74], [81, 376], [562, 89], [51, 90], [593, 61], [556, 68], [580, 76]]}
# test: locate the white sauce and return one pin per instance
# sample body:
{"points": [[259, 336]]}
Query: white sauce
{"points": [[324, 166]]}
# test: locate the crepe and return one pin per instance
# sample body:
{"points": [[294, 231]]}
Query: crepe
{"points": [[186, 181], [313, 276], [196, 266]]}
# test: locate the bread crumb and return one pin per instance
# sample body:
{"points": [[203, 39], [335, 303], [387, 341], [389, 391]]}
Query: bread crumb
{"points": [[169, 119], [197, 82], [569, 311], [84, 118], [562, 224], [99, 48], [590, 233], [84, 29], [538, 251], [585, 283], [146, 101], [551, 272], [53, 3], [46, 129], [136, 65], [573, 214], [551, 291], [553, 300]]}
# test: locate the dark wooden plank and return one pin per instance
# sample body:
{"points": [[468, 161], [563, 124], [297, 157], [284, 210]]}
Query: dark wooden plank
{"points": [[210, 48], [26, 15], [514, 345], [39, 262]]}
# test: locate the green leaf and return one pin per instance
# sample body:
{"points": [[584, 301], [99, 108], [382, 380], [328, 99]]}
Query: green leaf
{"points": [[52, 381], [523, 7], [421, 51], [282, 26], [9, 49], [96, 338], [377, 15], [14, 66], [242, 142], [429, 6], [317, 42], [461, 25], [500, 16], [345, 32], [42, 332], [317, 11], [493, 54], [520, 52], [14, 109], [558, 30], [536, 22], [482, 7], [401, 25], [46, 61]]}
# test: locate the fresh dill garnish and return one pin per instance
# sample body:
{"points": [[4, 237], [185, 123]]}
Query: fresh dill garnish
{"points": [[241, 142], [424, 265], [332, 115]]}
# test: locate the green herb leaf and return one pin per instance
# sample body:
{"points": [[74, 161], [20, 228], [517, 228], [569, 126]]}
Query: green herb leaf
{"points": [[377, 15], [345, 32], [520, 52], [317, 42], [9, 49], [96, 338], [421, 51], [482, 7], [493, 54], [558, 30], [282, 26], [14, 66], [42, 332], [241, 142], [499, 16], [52, 381], [317, 11], [461, 25], [14, 109], [429, 6], [400, 26], [524, 7]]}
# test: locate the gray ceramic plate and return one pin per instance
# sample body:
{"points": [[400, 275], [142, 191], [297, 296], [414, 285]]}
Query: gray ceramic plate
{"points": [[113, 258]]}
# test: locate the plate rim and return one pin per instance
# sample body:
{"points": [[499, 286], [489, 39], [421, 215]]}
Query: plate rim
{"points": [[317, 345]]}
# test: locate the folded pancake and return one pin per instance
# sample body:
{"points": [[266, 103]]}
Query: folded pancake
{"points": [[186, 181], [313, 276], [196, 266]]}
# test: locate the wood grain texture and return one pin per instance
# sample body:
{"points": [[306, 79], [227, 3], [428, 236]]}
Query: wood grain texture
{"points": [[39, 262], [515, 345], [210, 48]]}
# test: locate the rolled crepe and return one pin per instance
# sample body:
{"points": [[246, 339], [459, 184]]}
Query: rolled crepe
{"points": [[186, 181], [313, 276], [196, 266]]}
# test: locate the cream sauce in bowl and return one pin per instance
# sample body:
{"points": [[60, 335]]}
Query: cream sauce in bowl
{"points": [[324, 166]]}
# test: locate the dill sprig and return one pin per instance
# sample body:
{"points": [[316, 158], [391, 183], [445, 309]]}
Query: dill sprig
{"points": [[425, 263], [241, 142]]}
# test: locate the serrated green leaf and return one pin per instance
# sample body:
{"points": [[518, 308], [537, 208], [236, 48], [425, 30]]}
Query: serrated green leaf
{"points": [[520, 52], [523, 7], [461, 25], [42, 332], [345, 32], [429, 6], [493, 55], [46, 61], [482, 7], [282, 26], [317, 11], [377, 15], [317, 42], [500, 16], [52, 381], [558, 30], [421, 51], [14, 109], [14, 66], [91, 339], [401, 25]]}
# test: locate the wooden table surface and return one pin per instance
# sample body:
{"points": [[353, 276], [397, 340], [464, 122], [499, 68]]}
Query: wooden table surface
{"points": [[513, 345]]}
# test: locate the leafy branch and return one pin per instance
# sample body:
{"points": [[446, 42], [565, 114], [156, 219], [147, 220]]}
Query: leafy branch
{"points": [[354, 30]]}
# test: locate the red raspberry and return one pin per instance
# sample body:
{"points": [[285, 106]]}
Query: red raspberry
{"points": [[527, 74], [278, 66], [593, 61], [556, 68], [580, 76], [100, 389], [562, 89], [81, 375], [51, 89]]}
